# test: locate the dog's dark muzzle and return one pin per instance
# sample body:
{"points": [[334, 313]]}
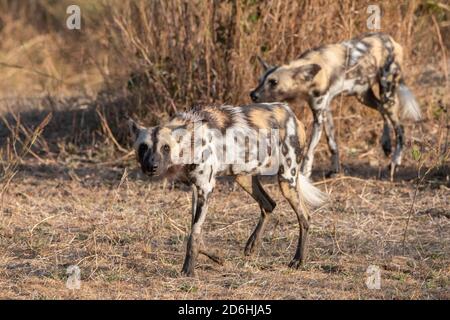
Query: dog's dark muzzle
{"points": [[254, 96], [148, 166]]}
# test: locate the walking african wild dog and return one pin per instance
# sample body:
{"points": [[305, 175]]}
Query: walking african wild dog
{"points": [[197, 146], [368, 67]]}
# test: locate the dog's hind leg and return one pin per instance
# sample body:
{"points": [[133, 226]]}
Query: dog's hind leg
{"points": [[290, 192], [393, 114], [370, 100], [389, 82], [332, 144], [253, 187]]}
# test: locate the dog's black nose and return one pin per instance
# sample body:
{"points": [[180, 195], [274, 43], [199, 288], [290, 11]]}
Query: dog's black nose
{"points": [[254, 96]]}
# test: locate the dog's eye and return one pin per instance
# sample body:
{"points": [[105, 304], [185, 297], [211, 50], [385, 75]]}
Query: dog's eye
{"points": [[273, 82], [166, 148]]}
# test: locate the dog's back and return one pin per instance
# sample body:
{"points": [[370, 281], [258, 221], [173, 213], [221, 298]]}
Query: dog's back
{"points": [[362, 60], [244, 139]]}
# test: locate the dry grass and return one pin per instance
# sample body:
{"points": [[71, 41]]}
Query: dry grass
{"points": [[73, 195], [127, 236]]}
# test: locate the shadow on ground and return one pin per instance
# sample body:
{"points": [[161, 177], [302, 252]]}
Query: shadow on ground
{"points": [[107, 174], [74, 120], [77, 122]]}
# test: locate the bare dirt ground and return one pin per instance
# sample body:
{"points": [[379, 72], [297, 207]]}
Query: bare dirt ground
{"points": [[128, 238]]}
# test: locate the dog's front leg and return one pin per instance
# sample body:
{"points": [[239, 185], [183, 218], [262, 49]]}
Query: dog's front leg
{"points": [[199, 209]]}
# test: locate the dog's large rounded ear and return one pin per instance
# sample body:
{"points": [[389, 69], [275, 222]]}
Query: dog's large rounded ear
{"points": [[263, 63], [134, 128], [306, 72]]}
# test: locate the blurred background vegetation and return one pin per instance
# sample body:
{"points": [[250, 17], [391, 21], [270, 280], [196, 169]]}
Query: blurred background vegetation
{"points": [[150, 59], [190, 51]]}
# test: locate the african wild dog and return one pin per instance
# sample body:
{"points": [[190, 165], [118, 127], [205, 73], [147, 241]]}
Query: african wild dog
{"points": [[197, 146], [368, 67]]}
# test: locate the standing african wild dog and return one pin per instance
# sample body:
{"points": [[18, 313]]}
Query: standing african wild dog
{"points": [[368, 67], [245, 142]]}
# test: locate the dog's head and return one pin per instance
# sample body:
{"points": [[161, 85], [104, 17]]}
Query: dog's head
{"points": [[286, 83], [154, 147]]}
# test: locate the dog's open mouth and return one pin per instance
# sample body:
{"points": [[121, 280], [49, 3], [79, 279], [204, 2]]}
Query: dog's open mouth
{"points": [[151, 173]]}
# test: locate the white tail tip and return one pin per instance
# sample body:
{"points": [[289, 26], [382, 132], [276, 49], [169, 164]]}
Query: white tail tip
{"points": [[311, 195], [410, 107]]}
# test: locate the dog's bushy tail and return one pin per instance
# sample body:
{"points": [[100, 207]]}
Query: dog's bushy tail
{"points": [[311, 196], [410, 108]]}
